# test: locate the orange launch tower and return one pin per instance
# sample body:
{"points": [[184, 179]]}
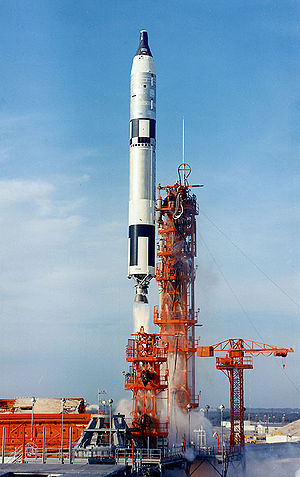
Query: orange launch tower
{"points": [[175, 274]]}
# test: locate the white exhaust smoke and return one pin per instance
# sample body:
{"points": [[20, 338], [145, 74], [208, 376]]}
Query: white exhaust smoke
{"points": [[141, 316], [124, 406]]}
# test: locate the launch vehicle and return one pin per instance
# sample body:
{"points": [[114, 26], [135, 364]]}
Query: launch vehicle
{"points": [[141, 248]]}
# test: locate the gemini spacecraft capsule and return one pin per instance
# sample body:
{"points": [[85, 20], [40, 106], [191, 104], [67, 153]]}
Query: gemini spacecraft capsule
{"points": [[141, 248]]}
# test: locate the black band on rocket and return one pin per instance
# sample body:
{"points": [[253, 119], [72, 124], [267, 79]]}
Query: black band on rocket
{"points": [[136, 231], [142, 128]]}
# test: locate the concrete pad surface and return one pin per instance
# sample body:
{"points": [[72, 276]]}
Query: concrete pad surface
{"points": [[61, 469]]}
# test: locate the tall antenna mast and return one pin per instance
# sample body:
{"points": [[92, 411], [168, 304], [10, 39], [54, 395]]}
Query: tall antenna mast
{"points": [[183, 150]]}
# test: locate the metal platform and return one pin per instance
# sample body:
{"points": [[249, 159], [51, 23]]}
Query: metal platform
{"points": [[53, 470]]}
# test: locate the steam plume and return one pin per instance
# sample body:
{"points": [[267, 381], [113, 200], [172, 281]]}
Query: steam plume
{"points": [[141, 316]]}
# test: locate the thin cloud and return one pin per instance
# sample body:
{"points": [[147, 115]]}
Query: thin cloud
{"points": [[18, 190]]}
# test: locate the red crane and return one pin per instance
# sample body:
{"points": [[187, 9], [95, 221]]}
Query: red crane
{"points": [[233, 365]]}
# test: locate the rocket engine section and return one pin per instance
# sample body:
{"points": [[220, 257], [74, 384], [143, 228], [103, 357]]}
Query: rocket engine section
{"points": [[141, 253]]}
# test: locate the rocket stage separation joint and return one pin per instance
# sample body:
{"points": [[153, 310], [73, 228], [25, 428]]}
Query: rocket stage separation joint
{"points": [[141, 247]]}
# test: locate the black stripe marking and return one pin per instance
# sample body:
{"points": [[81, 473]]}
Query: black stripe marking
{"points": [[135, 127], [141, 140], [152, 128], [136, 231]]}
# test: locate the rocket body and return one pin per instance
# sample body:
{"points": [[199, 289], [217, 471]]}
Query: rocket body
{"points": [[141, 249]]}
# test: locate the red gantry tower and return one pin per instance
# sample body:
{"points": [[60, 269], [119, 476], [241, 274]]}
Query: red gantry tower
{"points": [[175, 274]]}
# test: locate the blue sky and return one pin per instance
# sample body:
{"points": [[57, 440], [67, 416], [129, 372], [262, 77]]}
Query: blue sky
{"points": [[231, 68]]}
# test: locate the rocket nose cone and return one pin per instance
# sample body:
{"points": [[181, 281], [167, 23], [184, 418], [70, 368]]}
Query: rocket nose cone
{"points": [[143, 48]]}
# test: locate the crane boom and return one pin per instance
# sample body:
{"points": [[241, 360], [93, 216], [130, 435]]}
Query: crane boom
{"points": [[232, 365], [247, 346]]}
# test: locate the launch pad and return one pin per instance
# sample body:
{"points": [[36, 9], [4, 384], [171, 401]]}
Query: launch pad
{"points": [[158, 435]]}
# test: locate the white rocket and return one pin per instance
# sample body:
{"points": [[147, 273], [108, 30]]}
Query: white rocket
{"points": [[141, 248]]}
